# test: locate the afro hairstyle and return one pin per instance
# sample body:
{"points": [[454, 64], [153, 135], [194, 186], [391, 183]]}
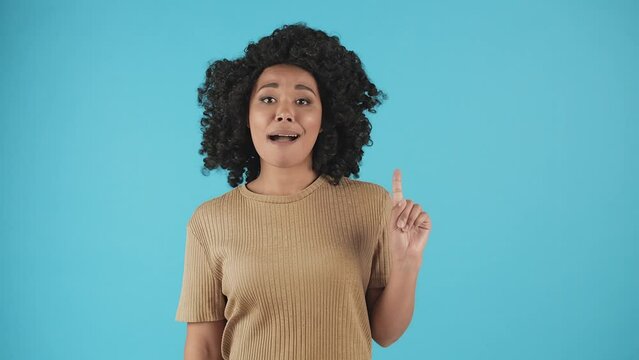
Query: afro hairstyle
{"points": [[344, 88]]}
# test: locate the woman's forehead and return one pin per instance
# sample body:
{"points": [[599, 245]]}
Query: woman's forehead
{"points": [[286, 74]]}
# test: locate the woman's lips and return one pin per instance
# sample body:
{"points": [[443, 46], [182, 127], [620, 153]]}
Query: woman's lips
{"points": [[283, 141]]}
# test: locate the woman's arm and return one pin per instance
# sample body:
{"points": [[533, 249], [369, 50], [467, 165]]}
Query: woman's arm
{"points": [[204, 340], [392, 310]]}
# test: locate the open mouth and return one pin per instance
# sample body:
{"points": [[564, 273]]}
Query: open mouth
{"points": [[283, 138]]}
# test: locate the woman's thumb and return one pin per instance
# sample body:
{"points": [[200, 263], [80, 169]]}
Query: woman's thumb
{"points": [[397, 209]]}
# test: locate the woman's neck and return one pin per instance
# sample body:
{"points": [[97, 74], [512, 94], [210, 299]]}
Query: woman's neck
{"points": [[282, 181]]}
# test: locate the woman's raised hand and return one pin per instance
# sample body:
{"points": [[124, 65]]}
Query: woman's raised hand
{"points": [[409, 227]]}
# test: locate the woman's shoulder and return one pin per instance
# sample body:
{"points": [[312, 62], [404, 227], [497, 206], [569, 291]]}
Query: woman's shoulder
{"points": [[211, 208], [367, 189]]}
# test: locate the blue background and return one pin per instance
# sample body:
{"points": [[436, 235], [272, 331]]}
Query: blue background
{"points": [[515, 124]]}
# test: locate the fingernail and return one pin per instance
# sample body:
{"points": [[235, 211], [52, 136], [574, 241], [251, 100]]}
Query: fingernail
{"points": [[401, 223]]}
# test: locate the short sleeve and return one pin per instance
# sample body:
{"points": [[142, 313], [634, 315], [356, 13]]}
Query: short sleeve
{"points": [[381, 263], [201, 297]]}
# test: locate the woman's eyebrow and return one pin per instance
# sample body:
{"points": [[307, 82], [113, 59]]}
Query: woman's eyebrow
{"points": [[298, 86]]}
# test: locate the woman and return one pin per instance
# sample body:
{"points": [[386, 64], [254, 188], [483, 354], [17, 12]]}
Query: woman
{"points": [[296, 262]]}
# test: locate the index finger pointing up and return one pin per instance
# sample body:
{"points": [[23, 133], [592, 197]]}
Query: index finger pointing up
{"points": [[397, 187]]}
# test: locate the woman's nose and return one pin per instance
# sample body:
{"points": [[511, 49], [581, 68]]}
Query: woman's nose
{"points": [[286, 116]]}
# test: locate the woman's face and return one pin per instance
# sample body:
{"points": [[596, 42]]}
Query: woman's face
{"points": [[285, 100]]}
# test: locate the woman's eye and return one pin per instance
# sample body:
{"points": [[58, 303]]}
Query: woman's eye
{"points": [[270, 97]]}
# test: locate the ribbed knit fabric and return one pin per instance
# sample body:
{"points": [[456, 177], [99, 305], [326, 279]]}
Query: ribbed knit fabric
{"points": [[288, 272]]}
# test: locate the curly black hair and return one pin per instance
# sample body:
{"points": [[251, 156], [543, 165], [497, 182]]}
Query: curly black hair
{"points": [[225, 95]]}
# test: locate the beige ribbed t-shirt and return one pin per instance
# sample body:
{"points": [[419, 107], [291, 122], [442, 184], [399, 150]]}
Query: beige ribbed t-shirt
{"points": [[288, 272]]}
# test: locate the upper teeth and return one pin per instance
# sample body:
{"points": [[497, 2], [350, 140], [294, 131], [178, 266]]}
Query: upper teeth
{"points": [[287, 135]]}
